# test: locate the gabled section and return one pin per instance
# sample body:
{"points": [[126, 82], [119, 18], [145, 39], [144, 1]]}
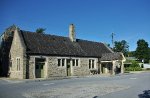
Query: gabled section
{"points": [[17, 56]]}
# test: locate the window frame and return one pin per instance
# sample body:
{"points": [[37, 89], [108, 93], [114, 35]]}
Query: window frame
{"points": [[73, 62], [62, 61], [77, 62], [92, 64], [59, 62]]}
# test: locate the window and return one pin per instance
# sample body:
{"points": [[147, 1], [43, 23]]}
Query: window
{"points": [[77, 62], [59, 62], [63, 62], [18, 64], [73, 62], [91, 64]]}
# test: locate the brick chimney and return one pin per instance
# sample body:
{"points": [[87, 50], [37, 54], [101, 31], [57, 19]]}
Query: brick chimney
{"points": [[72, 33]]}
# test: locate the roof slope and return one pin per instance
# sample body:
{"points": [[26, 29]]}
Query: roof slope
{"points": [[111, 56], [45, 44]]}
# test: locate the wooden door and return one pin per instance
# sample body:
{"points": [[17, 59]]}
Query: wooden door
{"points": [[68, 67], [39, 70]]}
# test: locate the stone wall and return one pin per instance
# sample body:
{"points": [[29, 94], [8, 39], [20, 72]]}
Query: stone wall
{"points": [[80, 70], [83, 68], [17, 51], [51, 68]]}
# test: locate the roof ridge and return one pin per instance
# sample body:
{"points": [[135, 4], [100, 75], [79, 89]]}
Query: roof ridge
{"points": [[43, 34], [90, 41], [60, 36]]}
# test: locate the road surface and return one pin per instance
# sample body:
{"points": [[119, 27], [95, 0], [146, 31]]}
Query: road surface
{"points": [[120, 86]]}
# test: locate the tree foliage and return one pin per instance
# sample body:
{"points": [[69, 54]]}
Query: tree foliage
{"points": [[142, 50], [40, 30], [131, 53], [121, 46]]}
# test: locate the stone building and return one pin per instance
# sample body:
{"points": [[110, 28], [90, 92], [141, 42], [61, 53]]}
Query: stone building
{"points": [[34, 55]]}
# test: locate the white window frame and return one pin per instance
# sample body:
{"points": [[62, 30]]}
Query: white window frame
{"points": [[91, 64], [61, 62], [65, 59]]}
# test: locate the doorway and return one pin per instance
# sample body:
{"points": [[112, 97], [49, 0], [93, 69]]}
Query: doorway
{"points": [[39, 67], [103, 68], [109, 67], [106, 68], [68, 67]]}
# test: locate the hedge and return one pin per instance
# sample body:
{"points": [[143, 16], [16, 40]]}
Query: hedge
{"points": [[133, 69]]}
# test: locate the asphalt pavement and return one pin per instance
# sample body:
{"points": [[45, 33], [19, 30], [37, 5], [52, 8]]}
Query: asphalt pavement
{"points": [[136, 85]]}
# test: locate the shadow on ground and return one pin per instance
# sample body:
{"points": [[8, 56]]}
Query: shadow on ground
{"points": [[146, 94], [95, 97]]}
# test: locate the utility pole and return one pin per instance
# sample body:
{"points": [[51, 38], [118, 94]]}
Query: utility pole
{"points": [[112, 36]]}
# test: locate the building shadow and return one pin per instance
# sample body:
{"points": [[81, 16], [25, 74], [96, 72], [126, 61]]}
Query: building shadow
{"points": [[146, 94], [95, 97]]}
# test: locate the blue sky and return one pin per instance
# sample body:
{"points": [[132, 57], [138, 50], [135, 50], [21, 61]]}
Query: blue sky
{"points": [[94, 19]]}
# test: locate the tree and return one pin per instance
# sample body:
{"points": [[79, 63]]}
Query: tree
{"points": [[121, 46], [40, 30], [131, 53], [142, 50]]}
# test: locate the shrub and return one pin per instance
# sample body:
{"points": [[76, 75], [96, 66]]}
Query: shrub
{"points": [[134, 64], [128, 69], [137, 69], [133, 69]]}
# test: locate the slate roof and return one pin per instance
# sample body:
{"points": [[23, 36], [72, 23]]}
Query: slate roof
{"points": [[111, 56], [45, 44]]}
